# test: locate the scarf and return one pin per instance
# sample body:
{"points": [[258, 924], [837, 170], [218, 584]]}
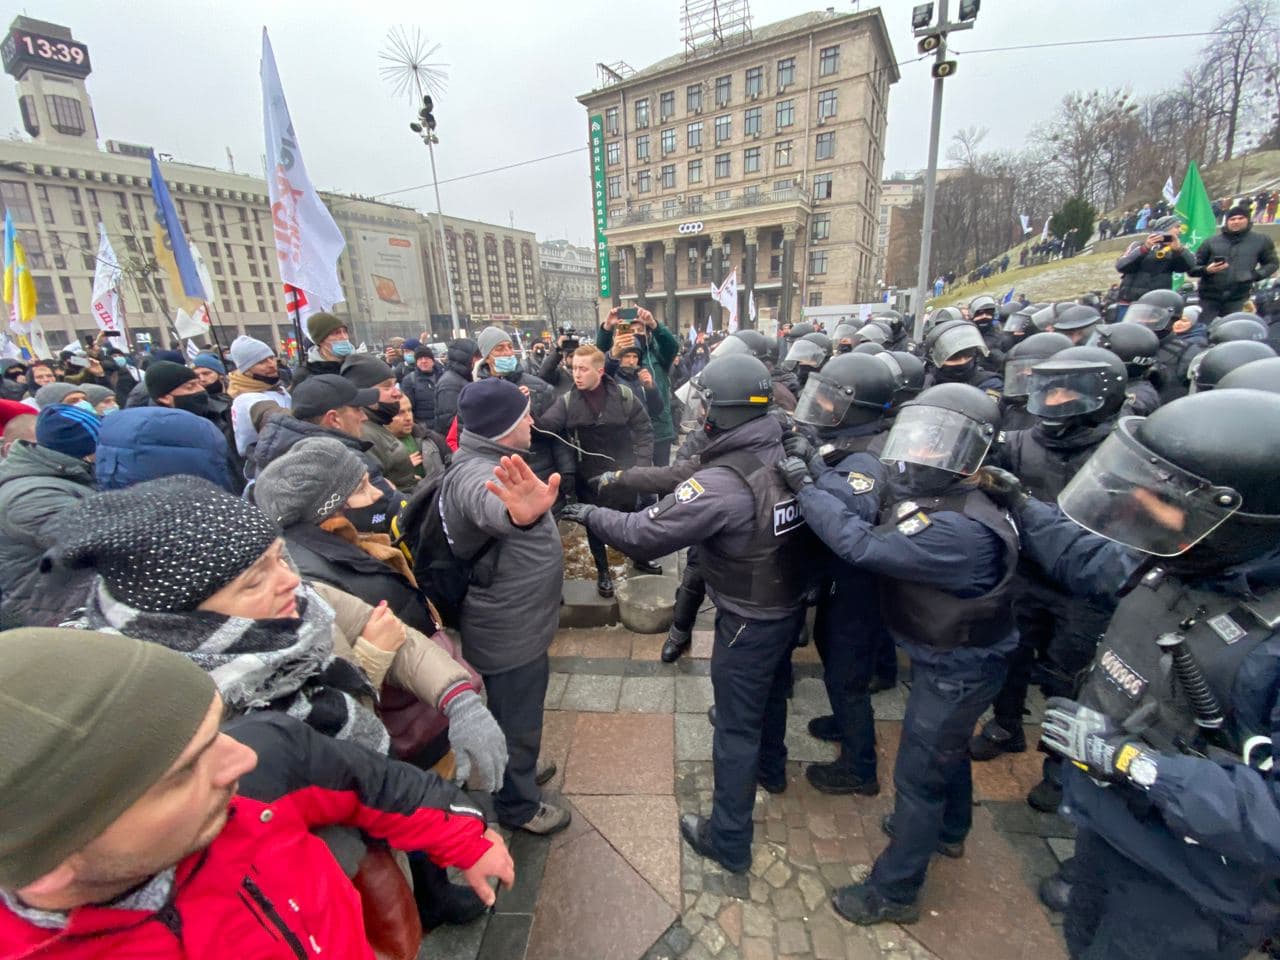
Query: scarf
{"points": [[376, 545], [238, 383], [285, 664]]}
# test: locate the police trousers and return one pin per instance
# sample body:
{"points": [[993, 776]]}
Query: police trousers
{"points": [[1120, 911], [932, 775], [750, 676], [849, 649]]}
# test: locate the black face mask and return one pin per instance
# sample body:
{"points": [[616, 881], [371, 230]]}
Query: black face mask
{"points": [[802, 373], [197, 403], [919, 480], [375, 518], [957, 373], [214, 388], [383, 413], [271, 380], [844, 348]]}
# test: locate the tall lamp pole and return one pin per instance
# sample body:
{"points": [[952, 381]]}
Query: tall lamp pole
{"points": [[425, 127]]}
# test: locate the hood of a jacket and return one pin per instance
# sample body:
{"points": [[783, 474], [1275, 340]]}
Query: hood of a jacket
{"points": [[282, 432], [756, 436], [144, 443], [27, 459]]}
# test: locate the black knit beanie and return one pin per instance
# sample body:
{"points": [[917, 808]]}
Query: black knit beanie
{"points": [[1238, 211], [166, 545], [163, 377]]}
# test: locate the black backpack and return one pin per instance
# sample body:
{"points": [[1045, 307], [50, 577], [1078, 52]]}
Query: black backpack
{"points": [[419, 531]]}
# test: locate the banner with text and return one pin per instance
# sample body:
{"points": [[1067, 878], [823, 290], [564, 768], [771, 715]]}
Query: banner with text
{"points": [[601, 205], [393, 279]]}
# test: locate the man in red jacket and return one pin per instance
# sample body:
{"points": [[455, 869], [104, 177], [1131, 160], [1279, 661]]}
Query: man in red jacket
{"points": [[122, 834]]}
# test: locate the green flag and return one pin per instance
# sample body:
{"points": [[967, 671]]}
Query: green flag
{"points": [[1196, 213]]}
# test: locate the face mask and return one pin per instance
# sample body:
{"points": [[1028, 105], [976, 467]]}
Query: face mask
{"points": [[845, 348], [86, 405], [342, 348], [375, 518], [383, 413], [107, 411], [271, 380], [197, 403], [505, 364], [214, 388], [921, 480], [121, 361], [958, 372], [408, 356]]}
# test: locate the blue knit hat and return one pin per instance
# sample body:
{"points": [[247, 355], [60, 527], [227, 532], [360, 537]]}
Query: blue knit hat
{"points": [[210, 362], [491, 407], [68, 430]]}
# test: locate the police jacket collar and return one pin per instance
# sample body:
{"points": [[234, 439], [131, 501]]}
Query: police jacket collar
{"points": [[756, 435]]}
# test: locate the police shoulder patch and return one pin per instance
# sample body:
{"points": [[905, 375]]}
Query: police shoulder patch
{"points": [[861, 483], [689, 490], [914, 524], [993, 393]]}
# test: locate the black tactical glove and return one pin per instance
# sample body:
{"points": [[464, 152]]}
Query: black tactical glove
{"points": [[797, 446], [577, 512], [600, 483], [569, 489], [1095, 744], [795, 473], [1004, 488]]}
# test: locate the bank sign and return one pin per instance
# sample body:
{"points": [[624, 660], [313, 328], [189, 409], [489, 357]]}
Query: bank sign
{"points": [[601, 206]]}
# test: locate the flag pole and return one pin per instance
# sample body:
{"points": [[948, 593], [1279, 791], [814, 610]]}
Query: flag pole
{"points": [[213, 328]]}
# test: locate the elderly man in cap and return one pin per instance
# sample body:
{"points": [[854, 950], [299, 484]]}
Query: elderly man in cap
{"points": [[133, 824]]}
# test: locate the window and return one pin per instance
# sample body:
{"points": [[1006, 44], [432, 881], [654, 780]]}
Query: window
{"points": [[783, 152], [669, 176], [695, 171], [666, 106], [642, 147], [644, 181], [30, 241], [826, 104], [755, 81], [720, 195], [724, 89], [826, 146], [46, 302], [786, 113], [694, 203], [722, 165], [614, 186], [820, 226], [77, 217], [822, 186], [724, 128], [612, 154], [67, 115], [781, 186], [828, 61], [16, 200], [693, 98], [751, 160], [815, 298], [751, 121], [694, 138], [752, 193], [669, 209], [786, 73], [817, 262], [642, 113], [668, 141]]}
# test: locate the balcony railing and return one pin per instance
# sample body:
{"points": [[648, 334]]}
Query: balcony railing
{"points": [[688, 211]]}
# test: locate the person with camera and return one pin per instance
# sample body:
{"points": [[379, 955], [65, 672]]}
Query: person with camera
{"points": [[658, 348], [1151, 264], [1230, 263]]}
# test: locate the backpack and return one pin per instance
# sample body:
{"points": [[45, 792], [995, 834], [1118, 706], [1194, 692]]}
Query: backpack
{"points": [[419, 531]]}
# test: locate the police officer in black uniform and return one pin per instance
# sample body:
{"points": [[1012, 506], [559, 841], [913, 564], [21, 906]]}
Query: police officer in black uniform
{"points": [[1210, 367], [1136, 346], [756, 556], [1171, 739], [845, 404], [954, 349], [1164, 313], [982, 313], [944, 556], [1018, 363]]}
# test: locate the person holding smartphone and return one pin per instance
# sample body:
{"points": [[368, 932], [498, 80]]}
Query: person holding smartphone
{"points": [[1150, 264], [1229, 263]]}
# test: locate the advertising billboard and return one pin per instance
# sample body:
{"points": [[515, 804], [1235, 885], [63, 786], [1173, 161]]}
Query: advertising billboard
{"points": [[393, 282]]}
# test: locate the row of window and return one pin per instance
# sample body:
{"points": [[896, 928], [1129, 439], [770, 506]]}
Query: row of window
{"points": [[722, 165], [753, 86]]}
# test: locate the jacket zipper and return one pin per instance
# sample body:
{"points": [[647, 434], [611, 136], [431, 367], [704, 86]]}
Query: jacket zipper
{"points": [[269, 911]]}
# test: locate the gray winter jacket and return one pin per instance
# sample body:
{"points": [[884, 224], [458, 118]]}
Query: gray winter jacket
{"points": [[512, 608]]}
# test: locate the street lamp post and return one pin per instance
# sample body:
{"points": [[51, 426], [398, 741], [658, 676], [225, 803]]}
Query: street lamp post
{"points": [[425, 127]]}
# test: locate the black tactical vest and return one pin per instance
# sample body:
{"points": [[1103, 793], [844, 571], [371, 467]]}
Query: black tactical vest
{"points": [[1133, 678], [775, 569], [1044, 470], [836, 450], [914, 612]]}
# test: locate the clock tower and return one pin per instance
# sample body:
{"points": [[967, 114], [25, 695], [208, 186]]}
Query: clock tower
{"points": [[51, 68]]}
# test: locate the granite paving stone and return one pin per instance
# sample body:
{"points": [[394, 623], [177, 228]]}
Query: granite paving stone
{"points": [[693, 737], [693, 695], [557, 736], [555, 690], [703, 642], [645, 831], [647, 695], [590, 692], [621, 753]]}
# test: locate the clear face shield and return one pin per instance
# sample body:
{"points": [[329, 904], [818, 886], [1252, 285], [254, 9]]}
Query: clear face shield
{"points": [[729, 346], [806, 353], [938, 438], [1129, 495], [1058, 393], [1154, 318], [824, 403], [957, 340], [1017, 376]]}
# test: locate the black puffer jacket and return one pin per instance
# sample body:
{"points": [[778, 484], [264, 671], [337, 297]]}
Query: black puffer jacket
{"points": [[1143, 270], [420, 388], [457, 374], [542, 450], [620, 437], [281, 432], [1250, 256]]}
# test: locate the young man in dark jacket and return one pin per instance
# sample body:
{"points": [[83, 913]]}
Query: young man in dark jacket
{"points": [[419, 385], [658, 348], [1230, 263], [459, 365], [1151, 264]]}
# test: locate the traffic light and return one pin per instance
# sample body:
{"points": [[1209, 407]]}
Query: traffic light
{"points": [[930, 43], [426, 119], [943, 70], [969, 9], [921, 16]]}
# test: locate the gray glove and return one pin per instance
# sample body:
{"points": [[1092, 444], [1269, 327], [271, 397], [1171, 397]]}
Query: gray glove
{"points": [[479, 745], [577, 512]]}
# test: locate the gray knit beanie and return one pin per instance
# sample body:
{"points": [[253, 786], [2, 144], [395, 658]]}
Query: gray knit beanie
{"points": [[52, 393], [247, 352], [489, 338], [310, 483], [96, 393]]}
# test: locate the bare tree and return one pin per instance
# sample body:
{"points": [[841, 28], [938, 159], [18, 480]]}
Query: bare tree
{"points": [[1245, 35]]}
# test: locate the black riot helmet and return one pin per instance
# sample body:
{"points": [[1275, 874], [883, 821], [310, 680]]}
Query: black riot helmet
{"points": [[1157, 310], [868, 347], [1045, 315], [892, 321], [1016, 326], [941, 435], [1208, 368], [1197, 477], [1091, 299], [983, 309], [908, 374], [1026, 354], [761, 347], [951, 339], [1007, 310], [1133, 343], [1077, 322], [821, 339], [852, 389], [1237, 326], [939, 316], [1256, 375], [844, 336], [795, 333], [1077, 386], [804, 353], [736, 390], [873, 332], [729, 346]]}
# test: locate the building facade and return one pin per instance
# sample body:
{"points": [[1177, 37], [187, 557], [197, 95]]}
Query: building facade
{"points": [[898, 191], [61, 184], [761, 156], [569, 285]]}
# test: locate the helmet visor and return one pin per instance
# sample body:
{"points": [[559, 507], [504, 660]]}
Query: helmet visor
{"points": [[1127, 494], [1149, 315], [872, 333], [1044, 317], [890, 361], [1058, 394], [806, 352], [729, 346], [823, 403], [934, 437], [1017, 376], [956, 340]]}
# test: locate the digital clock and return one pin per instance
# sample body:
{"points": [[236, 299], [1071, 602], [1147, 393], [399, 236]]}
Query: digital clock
{"points": [[22, 50]]}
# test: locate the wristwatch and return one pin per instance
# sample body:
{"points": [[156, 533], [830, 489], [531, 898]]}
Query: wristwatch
{"points": [[1142, 771]]}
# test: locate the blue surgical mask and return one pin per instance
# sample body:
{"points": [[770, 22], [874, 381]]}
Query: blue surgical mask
{"points": [[408, 356], [121, 361], [342, 348], [505, 364], [110, 410], [87, 406]]}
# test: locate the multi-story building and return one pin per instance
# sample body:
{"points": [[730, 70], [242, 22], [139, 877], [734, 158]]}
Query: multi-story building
{"points": [[568, 284], [900, 190], [760, 154], [60, 185]]}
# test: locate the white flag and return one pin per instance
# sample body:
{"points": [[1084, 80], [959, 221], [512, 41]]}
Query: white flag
{"points": [[192, 326], [727, 297], [308, 242], [192, 350], [1026, 224], [106, 306], [751, 305], [202, 271], [1169, 194], [1044, 234], [709, 323]]}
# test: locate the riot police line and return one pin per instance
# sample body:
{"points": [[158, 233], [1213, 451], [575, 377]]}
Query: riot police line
{"points": [[1029, 496]]}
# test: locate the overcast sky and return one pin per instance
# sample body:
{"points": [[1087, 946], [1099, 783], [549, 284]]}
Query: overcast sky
{"points": [[183, 77]]}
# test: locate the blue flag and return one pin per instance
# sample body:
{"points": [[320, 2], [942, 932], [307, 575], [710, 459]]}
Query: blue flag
{"points": [[1008, 296], [172, 251]]}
